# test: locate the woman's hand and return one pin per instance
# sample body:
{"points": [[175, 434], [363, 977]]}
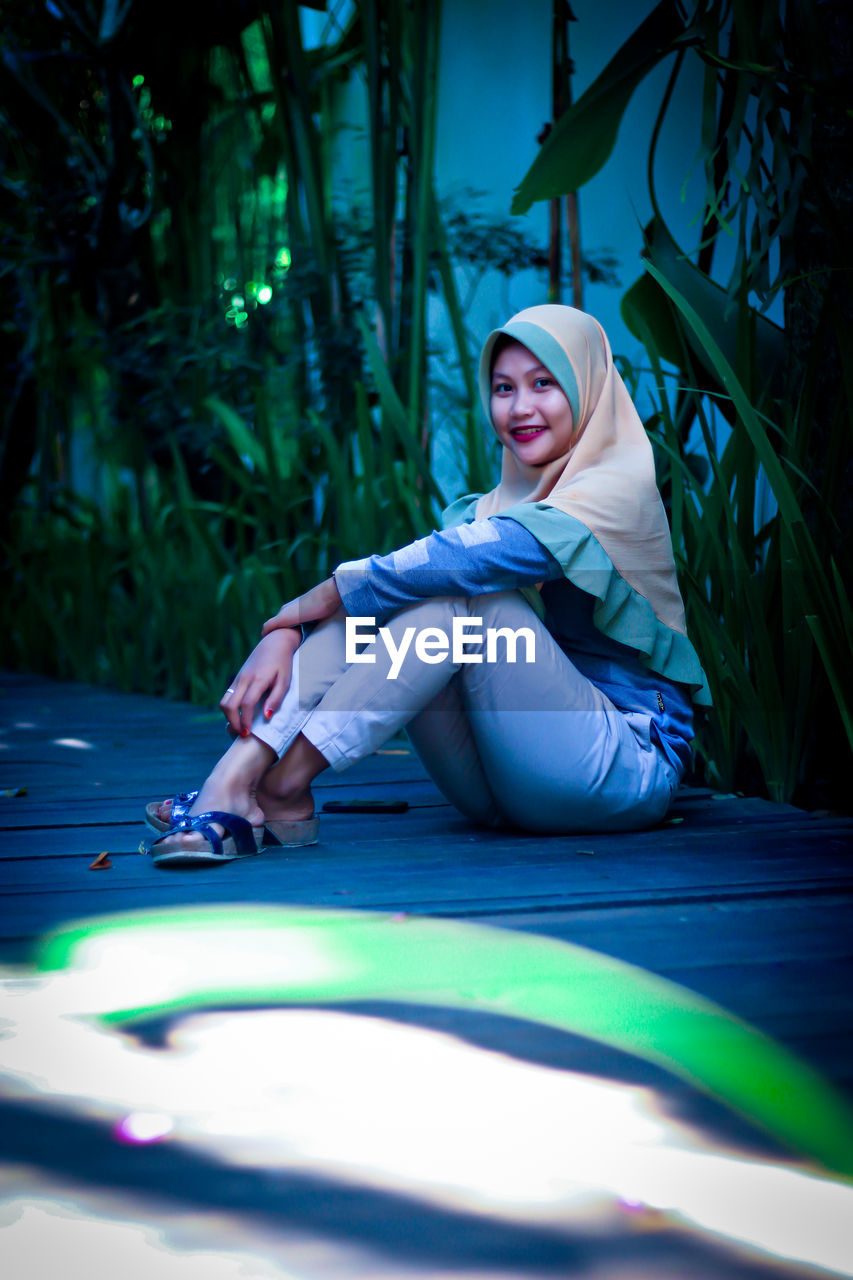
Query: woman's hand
{"points": [[267, 670], [318, 603]]}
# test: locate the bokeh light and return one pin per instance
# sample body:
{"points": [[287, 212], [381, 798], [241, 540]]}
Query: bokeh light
{"points": [[144, 1126]]}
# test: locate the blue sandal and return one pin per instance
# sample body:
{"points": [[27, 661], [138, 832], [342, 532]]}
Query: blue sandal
{"points": [[289, 835], [181, 805], [241, 841]]}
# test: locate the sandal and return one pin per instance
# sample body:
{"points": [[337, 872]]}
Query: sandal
{"points": [[287, 835], [242, 840], [181, 805], [293, 835]]}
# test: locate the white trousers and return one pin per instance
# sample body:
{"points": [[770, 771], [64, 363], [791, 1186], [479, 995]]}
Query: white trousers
{"points": [[529, 745]]}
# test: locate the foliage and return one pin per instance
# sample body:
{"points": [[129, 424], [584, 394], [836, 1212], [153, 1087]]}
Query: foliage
{"points": [[764, 542], [767, 606], [196, 193], [168, 600], [214, 322], [180, 326]]}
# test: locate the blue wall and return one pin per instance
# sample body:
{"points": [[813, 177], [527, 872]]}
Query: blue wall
{"points": [[494, 97]]}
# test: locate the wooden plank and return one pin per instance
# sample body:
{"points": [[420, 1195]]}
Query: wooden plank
{"points": [[746, 903], [27, 813], [723, 898]]}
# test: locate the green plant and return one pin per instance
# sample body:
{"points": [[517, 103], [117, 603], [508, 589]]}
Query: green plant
{"points": [[216, 340], [152, 587], [764, 542]]}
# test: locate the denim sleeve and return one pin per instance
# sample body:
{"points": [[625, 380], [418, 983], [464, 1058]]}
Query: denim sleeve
{"points": [[497, 554]]}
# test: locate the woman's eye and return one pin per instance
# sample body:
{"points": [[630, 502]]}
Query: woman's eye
{"points": [[500, 387], [544, 382]]}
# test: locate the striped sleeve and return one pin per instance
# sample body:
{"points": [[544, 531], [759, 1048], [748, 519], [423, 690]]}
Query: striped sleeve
{"points": [[497, 554]]}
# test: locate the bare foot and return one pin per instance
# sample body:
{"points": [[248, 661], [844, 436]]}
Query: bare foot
{"points": [[284, 791], [231, 788], [285, 804]]}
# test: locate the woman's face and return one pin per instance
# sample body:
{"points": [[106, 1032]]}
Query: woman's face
{"points": [[530, 411]]}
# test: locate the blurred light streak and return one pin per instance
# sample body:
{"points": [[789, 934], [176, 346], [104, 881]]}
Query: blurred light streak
{"points": [[370, 1102], [460, 965], [153, 970], [76, 743], [44, 1237]]}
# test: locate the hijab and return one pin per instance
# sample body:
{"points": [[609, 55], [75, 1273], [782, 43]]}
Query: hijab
{"points": [[606, 478]]}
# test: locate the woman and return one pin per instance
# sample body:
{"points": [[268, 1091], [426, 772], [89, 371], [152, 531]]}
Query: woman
{"points": [[570, 554]]}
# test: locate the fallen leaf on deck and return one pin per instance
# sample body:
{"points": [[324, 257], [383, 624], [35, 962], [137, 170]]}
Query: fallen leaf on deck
{"points": [[101, 863], [670, 822], [9, 793]]}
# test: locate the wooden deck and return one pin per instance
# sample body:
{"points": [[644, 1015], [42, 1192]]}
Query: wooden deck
{"points": [[744, 902]]}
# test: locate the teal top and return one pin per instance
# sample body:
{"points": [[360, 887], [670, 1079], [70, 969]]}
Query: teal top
{"points": [[619, 612]]}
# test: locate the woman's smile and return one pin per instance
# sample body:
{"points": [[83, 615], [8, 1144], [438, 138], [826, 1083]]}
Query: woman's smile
{"points": [[530, 411]]}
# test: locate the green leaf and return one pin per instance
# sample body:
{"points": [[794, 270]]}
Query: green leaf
{"points": [[719, 314], [716, 356], [840, 685], [648, 316], [307, 956], [394, 410], [582, 140], [243, 441]]}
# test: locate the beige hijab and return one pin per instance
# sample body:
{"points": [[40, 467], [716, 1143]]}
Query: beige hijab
{"points": [[606, 480]]}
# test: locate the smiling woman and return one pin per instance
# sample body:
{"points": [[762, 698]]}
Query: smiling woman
{"points": [[530, 411], [571, 551]]}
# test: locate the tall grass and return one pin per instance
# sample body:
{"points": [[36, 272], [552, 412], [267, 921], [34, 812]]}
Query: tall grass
{"points": [[169, 593], [766, 602]]}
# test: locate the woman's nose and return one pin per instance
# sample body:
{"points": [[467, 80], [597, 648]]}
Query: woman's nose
{"points": [[521, 406]]}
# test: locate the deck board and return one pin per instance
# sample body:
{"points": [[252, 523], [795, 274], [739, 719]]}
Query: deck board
{"points": [[746, 903]]}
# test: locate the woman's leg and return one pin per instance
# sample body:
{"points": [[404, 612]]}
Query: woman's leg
{"points": [[344, 711], [442, 738], [538, 735], [535, 745], [236, 784], [334, 712], [555, 750]]}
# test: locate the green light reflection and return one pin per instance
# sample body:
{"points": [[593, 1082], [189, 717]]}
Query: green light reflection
{"points": [[250, 955]]}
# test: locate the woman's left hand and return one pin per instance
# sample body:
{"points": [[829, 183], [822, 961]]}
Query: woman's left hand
{"points": [[318, 603]]}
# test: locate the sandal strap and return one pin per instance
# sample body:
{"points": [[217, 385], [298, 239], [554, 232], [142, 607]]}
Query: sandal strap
{"points": [[181, 803], [237, 827]]}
